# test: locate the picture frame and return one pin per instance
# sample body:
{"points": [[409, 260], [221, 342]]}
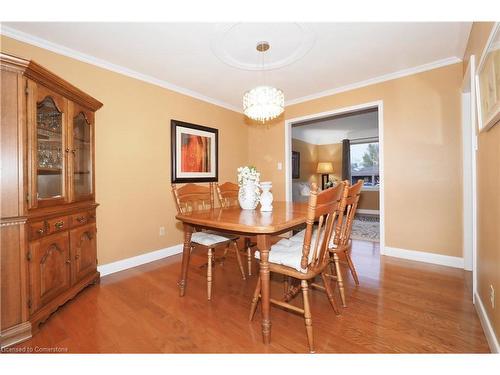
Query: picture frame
{"points": [[194, 152], [295, 164], [488, 83]]}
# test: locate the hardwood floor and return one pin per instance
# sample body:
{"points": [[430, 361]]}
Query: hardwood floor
{"points": [[400, 307]]}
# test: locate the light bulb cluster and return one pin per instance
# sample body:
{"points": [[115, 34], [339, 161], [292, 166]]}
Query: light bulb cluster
{"points": [[263, 103]]}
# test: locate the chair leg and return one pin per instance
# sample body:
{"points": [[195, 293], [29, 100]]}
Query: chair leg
{"points": [[255, 300], [209, 274], [339, 279], [329, 293], [249, 260], [238, 258], [307, 315], [351, 267]]}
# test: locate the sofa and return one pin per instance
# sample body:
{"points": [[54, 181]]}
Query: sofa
{"points": [[300, 191]]}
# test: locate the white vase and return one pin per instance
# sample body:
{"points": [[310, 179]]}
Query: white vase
{"points": [[266, 198], [247, 196]]}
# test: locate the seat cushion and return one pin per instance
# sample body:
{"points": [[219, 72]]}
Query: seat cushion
{"points": [[210, 238], [287, 253]]}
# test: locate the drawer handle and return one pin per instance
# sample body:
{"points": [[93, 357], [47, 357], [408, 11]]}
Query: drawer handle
{"points": [[59, 224], [81, 219], [40, 231]]}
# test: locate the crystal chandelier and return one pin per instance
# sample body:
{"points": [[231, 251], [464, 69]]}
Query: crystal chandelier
{"points": [[263, 103]]}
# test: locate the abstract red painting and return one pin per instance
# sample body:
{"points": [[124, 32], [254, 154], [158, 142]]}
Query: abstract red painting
{"points": [[194, 152]]}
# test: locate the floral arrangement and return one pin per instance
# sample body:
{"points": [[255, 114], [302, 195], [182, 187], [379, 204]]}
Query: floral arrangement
{"points": [[248, 174]]}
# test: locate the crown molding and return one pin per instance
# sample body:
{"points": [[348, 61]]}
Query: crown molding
{"points": [[65, 51], [379, 79]]}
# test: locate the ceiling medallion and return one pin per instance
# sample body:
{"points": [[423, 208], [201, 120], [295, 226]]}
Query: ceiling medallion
{"points": [[263, 103], [233, 43]]}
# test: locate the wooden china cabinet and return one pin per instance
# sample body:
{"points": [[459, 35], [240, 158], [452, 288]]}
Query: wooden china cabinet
{"points": [[48, 208]]}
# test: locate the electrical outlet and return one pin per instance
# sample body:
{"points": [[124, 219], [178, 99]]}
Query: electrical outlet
{"points": [[492, 296], [162, 231]]}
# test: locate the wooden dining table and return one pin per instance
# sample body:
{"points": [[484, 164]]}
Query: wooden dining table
{"points": [[263, 225]]}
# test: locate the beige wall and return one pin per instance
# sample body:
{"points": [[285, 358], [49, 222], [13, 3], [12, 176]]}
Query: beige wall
{"points": [[133, 151], [308, 160], [488, 198], [422, 150], [333, 154], [369, 200], [311, 154]]}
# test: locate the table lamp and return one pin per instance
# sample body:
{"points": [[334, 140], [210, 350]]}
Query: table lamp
{"points": [[324, 168]]}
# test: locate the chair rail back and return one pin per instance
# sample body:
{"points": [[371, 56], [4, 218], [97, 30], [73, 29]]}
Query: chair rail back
{"points": [[227, 194], [323, 207], [192, 197], [348, 208]]}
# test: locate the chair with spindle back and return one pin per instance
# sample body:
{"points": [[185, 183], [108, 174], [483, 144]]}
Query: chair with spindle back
{"points": [[228, 197], [302, 261], [192, 197], [342, 243]]}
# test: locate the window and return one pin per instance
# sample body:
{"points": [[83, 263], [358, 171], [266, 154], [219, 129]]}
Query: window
{"points": [[364, 164]]}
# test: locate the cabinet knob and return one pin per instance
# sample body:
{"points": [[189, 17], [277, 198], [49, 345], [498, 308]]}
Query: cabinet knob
{"points": [[77, 257], [73, 151], [66, 150], [68, 261], [40, 231], [59, 224]]}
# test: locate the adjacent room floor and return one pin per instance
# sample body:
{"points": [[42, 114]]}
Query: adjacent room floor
{"points": [[400, 307]]}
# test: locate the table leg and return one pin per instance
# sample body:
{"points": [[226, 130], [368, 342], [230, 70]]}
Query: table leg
{"points": [[264, 244], [186, 253]]}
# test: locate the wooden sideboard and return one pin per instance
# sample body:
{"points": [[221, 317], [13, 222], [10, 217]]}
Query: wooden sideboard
{"points": [[47, 192]]}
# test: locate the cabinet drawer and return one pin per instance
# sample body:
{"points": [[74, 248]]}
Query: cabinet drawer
{"points": [[57, 224], [37, 230], [82, 218]]}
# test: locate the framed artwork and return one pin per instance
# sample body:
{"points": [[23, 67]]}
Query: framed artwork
{"points": [[488, 83], [295, 164], [194, 153]]}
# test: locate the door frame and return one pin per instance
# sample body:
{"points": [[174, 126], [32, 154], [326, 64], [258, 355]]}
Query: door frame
{"points": [[379, 104], [469, 149]]}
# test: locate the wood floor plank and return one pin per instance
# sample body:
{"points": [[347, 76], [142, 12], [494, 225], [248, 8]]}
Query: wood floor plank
{"points": [[400, 307]]}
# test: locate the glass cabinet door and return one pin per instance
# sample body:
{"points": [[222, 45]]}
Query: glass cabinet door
{"points": [[50, 147], [82, 152]]}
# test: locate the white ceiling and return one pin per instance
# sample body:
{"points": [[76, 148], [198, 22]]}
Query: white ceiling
{"points": [[334, 129], [217, 62]]}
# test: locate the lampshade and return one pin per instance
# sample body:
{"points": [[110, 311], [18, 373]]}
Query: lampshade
{"points": [[325, 167]]}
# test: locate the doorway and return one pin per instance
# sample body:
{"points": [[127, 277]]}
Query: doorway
{"points": [[365, 147]]}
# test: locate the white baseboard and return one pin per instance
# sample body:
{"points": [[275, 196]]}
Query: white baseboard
{"points": [[120, 265], [489, 332], [421, 256], [366, 211]]}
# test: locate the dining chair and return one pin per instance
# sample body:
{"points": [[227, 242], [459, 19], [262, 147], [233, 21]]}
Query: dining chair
{"points": [[342, 243], [228, 197], [192, 197], [302, 261]]}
